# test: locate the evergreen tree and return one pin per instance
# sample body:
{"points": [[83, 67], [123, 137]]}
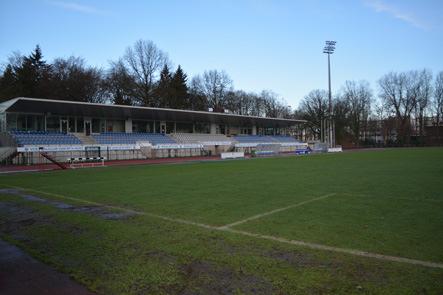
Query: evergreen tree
{"points": [[8, 84], [32, 75], [163, 90], [179, 90]]}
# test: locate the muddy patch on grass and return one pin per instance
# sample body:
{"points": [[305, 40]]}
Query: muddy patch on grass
{"points": [[99, 211], [207, 278], [299, 259], [162, 257], [32, 198], [16, 217], [102, 212]]}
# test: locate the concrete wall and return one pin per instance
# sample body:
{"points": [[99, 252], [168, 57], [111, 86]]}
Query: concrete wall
{"points": [[35, 158]]}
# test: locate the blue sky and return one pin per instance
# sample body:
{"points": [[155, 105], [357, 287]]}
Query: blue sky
{"points": [[261, 44]]}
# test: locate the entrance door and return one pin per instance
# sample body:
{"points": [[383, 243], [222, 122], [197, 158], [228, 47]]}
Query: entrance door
{"points": [[162, 128], [64, 126], [88, 128]]}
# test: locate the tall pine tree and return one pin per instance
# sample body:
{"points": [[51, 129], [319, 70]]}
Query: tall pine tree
{"points": [[32, 75], [179, 89], [163, 90], [8, 84]]}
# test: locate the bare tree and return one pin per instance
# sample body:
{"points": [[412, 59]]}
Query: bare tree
{"points": [[214, 85], [274, 106], [341, 110], [313, 109], [399, 93], [198, 100], [144, 62], [357, 96], [120, 85], [438, 101], [423, 97]]}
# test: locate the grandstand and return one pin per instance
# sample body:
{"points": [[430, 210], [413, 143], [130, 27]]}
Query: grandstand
{"points": [[272, 144], [204, 139], [132, 138], [24, 138], [66, 129]]}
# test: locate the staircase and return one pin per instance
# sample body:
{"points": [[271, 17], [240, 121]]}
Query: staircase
{"points": [[146, 151], [7, 154], [61, 165], [86, 140]]}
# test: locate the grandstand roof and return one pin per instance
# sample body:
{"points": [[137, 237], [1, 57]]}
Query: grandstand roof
{"points": [[121, 112]]}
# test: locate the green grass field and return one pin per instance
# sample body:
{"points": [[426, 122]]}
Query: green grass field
{"points": [[384, 202]]}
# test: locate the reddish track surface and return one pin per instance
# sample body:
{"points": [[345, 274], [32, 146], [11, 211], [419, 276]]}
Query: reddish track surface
{"points": [[47, 167]]}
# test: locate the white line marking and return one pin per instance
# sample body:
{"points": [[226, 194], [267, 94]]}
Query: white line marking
{"points": [[378, 197], [339, 250], [258, 236], [276, 211]]}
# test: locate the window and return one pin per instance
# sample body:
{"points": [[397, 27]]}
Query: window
{"points": [[103, 125], [34, 123], [71, 124], [201, 127], [269, 131], [95, 125], [53, 123], [109, 126], [115, 125], [80, 125], [2, 122], [11, 121], [221, 129], [246, 131], [143, 126], [170, 127], [150, 127], [184, 127], [39, 123], [21, 122]]}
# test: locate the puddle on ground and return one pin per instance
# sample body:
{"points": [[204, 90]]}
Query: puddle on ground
{"points": [[100, 211]]}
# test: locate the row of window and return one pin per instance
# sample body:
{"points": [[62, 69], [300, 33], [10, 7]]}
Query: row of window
{"points": [[95, 125]]}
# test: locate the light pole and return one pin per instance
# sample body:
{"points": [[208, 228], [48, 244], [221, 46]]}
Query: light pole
{"points": [[329, 124]]}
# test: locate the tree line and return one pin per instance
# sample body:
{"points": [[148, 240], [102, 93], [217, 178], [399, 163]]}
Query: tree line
{"points": [[406, 102], [142, 76]]}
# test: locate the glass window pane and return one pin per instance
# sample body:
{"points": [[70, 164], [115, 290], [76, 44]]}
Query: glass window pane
{"points": [[184, 127], [95, 125], [170, 127], [11, 121], [21, 122], [80, 125], [201, 127], [53, 123], [71, 124]]}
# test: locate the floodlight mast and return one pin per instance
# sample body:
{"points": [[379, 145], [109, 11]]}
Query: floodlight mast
{"points": [[329, 124]]}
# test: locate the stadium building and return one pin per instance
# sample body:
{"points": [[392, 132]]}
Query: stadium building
{"points": [[64, 130]]}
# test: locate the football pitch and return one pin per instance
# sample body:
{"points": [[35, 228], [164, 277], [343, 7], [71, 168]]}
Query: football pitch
{"points": [[356, 222]]}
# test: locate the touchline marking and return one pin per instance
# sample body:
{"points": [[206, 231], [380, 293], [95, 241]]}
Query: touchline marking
{"points": [[176, 220], [276, 211], [339, 250], [254, 235]]}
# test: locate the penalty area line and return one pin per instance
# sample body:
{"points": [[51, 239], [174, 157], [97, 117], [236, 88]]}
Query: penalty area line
{"points": [[276, 211], [304, 244]]}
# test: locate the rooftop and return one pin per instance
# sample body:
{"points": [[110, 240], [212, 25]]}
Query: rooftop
{"points": [[122, 112]]}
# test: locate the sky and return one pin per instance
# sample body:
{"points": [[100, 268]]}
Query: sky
{"points": [[262, 44]]}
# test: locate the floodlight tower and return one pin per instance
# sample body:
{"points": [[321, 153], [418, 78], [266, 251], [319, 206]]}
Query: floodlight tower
{"points": [[330, 126]]}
